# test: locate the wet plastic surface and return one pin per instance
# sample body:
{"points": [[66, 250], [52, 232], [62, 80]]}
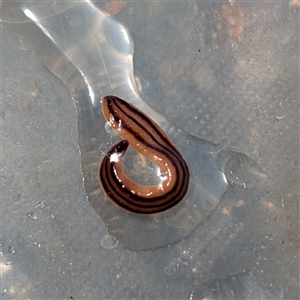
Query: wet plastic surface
{"points": [[49, 223], [240, 286]]}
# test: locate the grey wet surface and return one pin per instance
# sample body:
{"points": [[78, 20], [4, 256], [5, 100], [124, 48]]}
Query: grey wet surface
{"points": [[241, 86], [240, 286]]}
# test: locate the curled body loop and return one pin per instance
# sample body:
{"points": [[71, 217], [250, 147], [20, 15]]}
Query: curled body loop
{"points": [[145, 136]]}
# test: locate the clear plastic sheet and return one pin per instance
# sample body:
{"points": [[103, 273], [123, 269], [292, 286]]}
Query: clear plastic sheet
{"points": [[223, 72], [92, 53]]}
